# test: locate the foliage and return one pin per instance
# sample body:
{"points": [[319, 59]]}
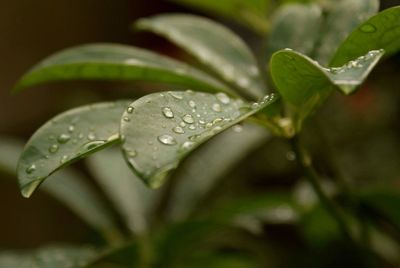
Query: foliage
{"points": [[174, 138]]}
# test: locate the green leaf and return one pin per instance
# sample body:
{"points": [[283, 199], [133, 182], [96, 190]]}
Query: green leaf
{"points": [[130, 196], [382, 31], [206, 167], [295, 26], [343, 17], [213, 45], [48, 257], [117, 62], [66, 138], [67, 186], [305, 84], [250, 13], [159, 130]]}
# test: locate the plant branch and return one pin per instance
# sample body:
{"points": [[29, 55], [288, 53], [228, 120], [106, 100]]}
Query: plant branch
{"points": [[309, 172]]}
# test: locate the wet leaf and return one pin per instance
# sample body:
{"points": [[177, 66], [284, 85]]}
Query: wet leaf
{"points": [[382, 31], [67, 186], [206, 167], [159, 130], [117, 62], [251, 13], [305, 84], [48, 257], [66, 138], [213, 45], [130, 196], [342, 18], [295, 26]]}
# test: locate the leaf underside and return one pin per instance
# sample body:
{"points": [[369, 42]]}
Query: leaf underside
{"points": [[158, 130], [66, 138]]}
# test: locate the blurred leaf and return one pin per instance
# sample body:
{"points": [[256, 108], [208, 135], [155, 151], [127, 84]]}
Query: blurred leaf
{"points": [[213, 45], [343, 17], [205, 167], [305, 84], [117, 62], [382, 31], [295, 26], [130, 196], [48, 257], [251, 13], [66, 138], [120, 257], [159, 130], [67, 186]]}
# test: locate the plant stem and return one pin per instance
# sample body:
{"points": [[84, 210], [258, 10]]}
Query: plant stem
{"points": [[309, 172]]}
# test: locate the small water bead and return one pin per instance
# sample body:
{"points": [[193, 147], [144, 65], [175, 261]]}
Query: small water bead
{"points": [[201, 122], [167, 112], [187, 118], [129, 110], [91, 136], [216, 107], [192, 127], [178, 130], [31, 169], [192, 104], [92, 145], [126, 119], [187, 145], [182, 124], [255, 105], [63, 138], [217, 120], [167, 140], [53, 148], [223, 98], [64, 159], [131, 152], [71, 128], [175, 95]]}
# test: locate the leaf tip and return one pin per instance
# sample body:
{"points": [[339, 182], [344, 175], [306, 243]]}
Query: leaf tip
{"points": [[28, 189]]}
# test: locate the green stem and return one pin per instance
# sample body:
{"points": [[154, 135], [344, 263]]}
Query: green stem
{"points": [[309, 172]]}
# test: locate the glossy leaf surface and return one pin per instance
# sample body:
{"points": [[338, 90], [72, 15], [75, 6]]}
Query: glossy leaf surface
{"points": [[67, 138], [213, 45], [117, 62], [160, 129], [305, 84], [295, 26], [342, 18], [382, 31]]}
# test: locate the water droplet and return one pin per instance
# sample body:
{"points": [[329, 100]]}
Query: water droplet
{"points": [[167, 139], [255, 105], [187, 118], [126, 119], [71, 129], [131, 153], [178, 130], [175, 95], [187, 145], [93, 144], [201, 122], [31, 169], [217, 120], [223, 98], [167, 112], [129, 110], [368, 28], [91, 136], [64, 159], [63, 138], [192, 104], [291, 156], [182, 124], [53, 148], [80, 136], [192, 127], [216, 107]]}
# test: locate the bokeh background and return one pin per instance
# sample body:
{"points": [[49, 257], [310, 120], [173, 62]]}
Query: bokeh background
{"points": [[363, 130]]}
